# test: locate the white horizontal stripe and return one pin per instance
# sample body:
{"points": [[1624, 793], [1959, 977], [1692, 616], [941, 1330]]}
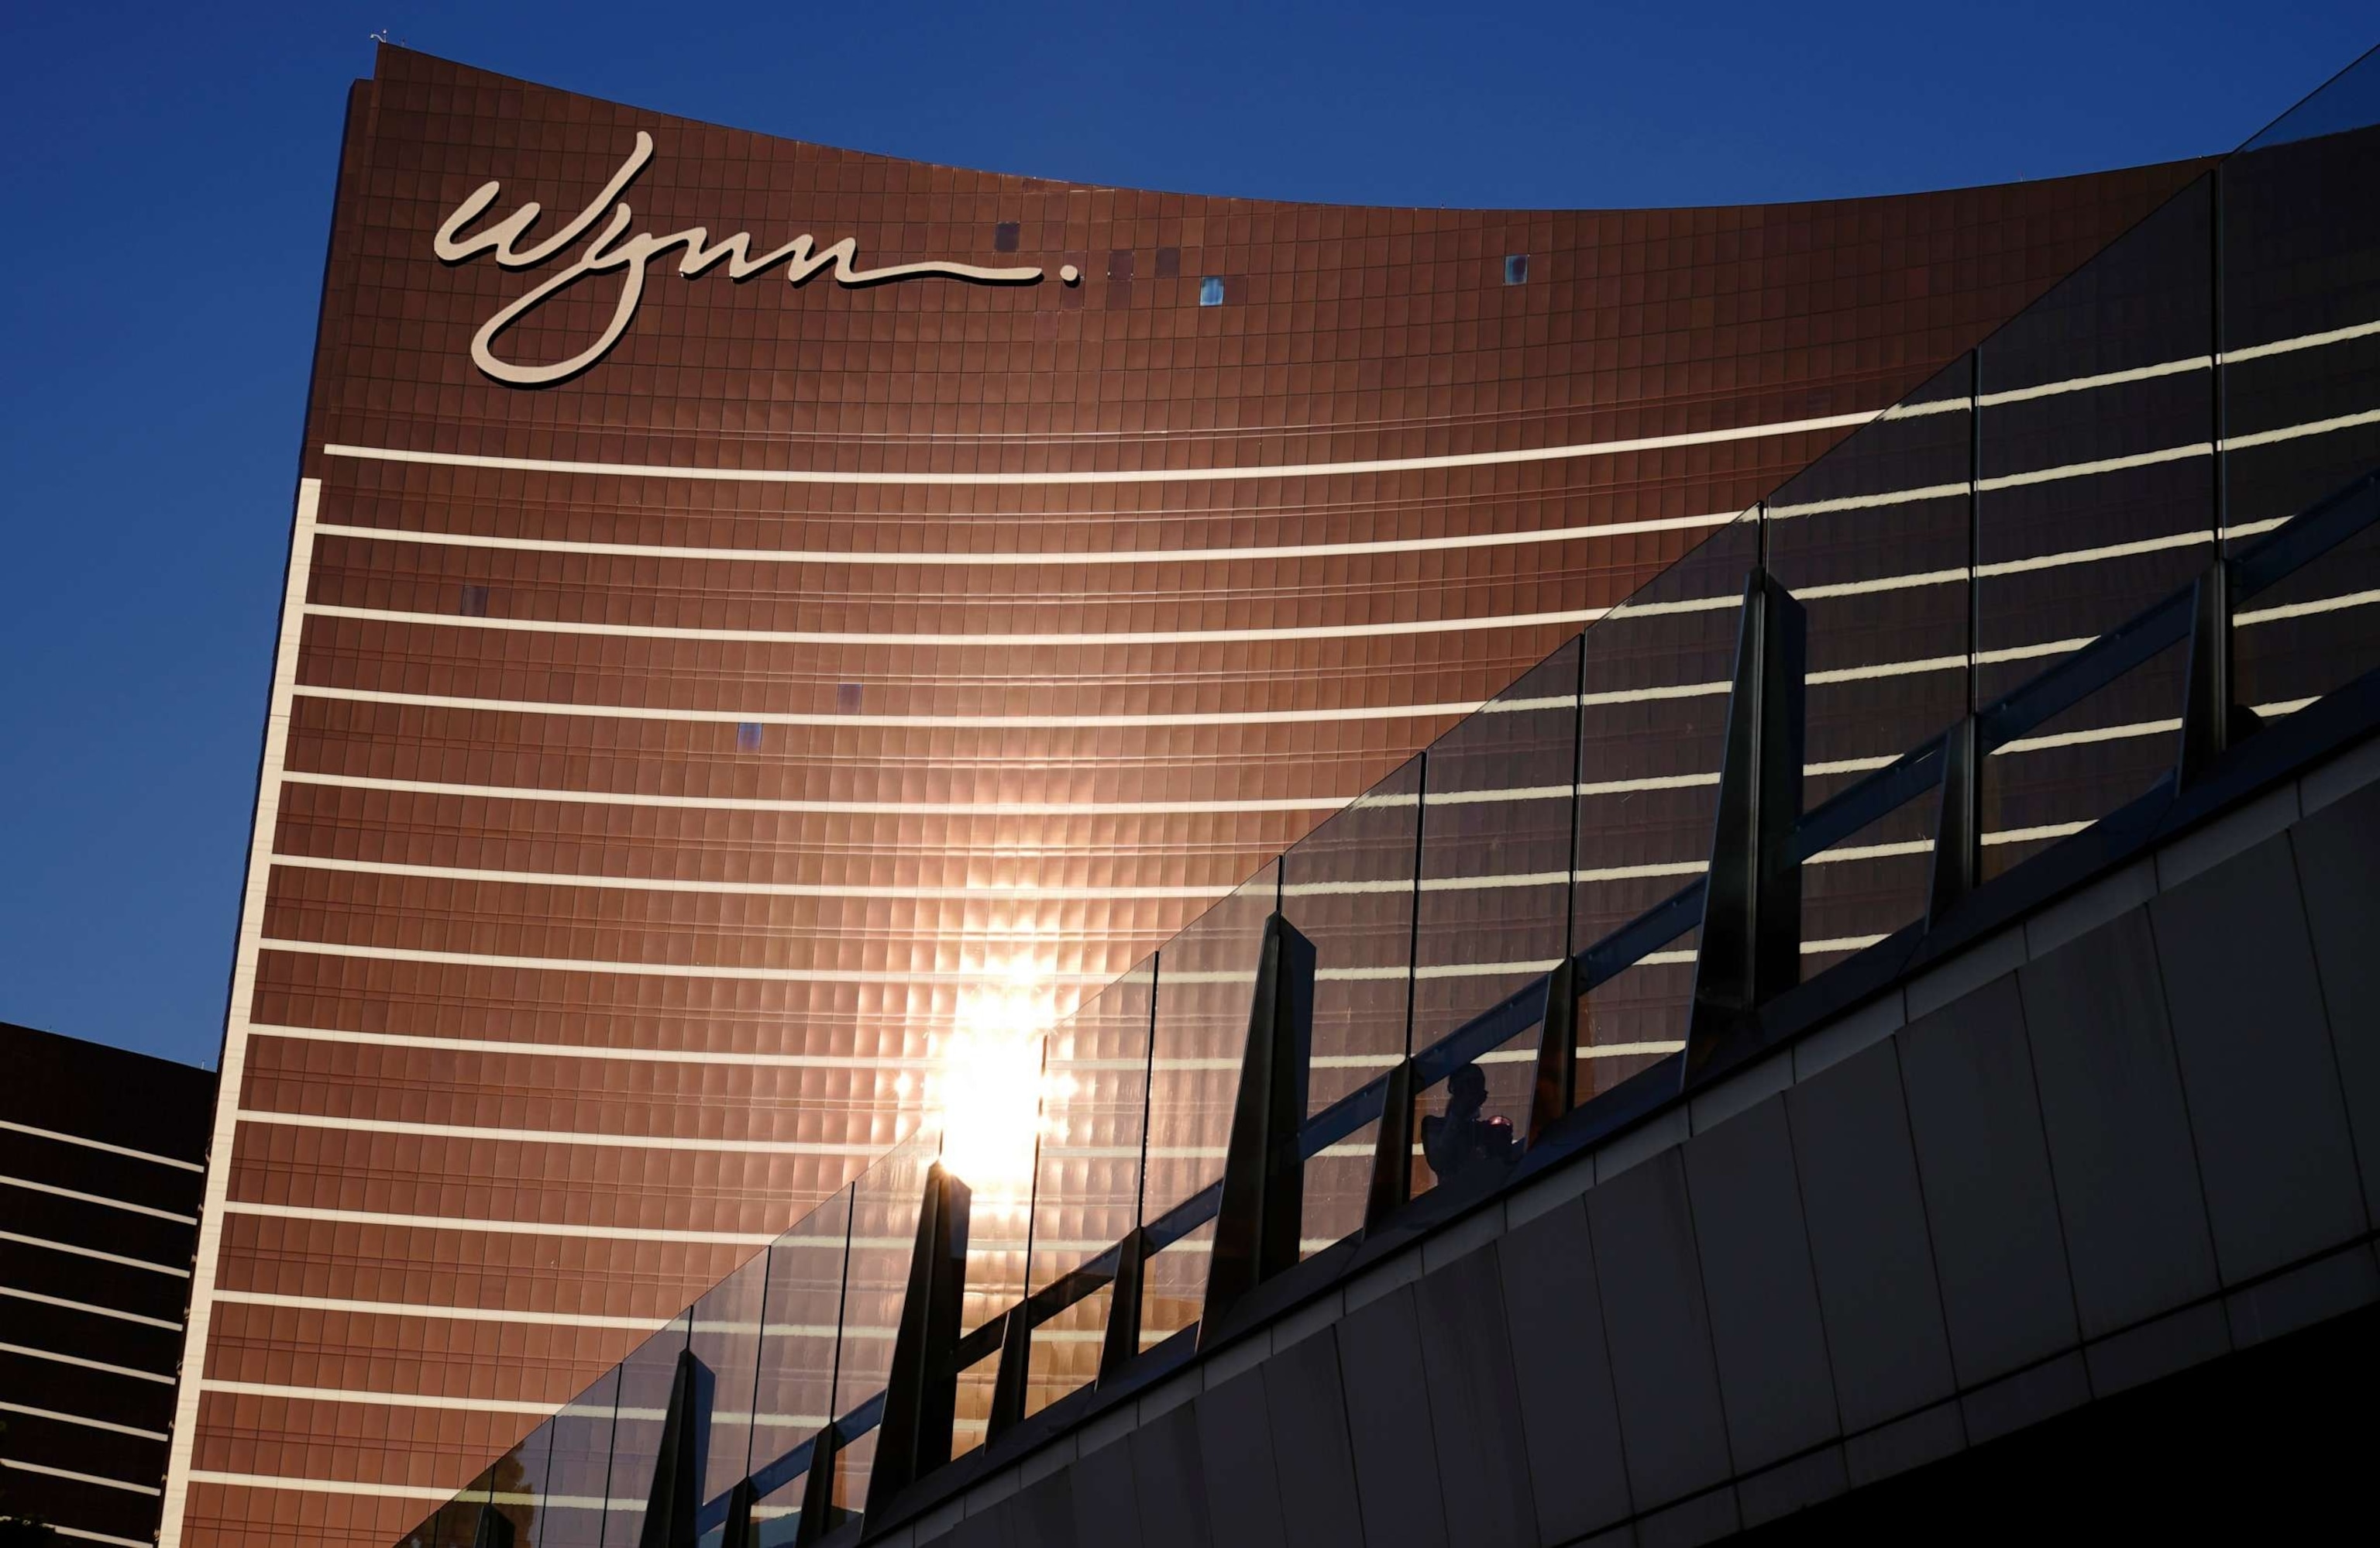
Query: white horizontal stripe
{"points": [[320, 1486], [450, 1313], [89, 1143], [1840, 589], [667, 969], [72, 1475], [2298, 432], [1114, 476], [500, 1046], [2306, 609], [87, 1535], [2028, 835], [2103, 464], [100, 1199], [978, 723], [1052, 639], [2028, 744], [1868, 501], [1878, 584], [2106, 379], [874, 808], [496, 1227], [32, 1353], [373, 1397], [78, 1419], [977, 892], [1100, 557], [2302, 341], [380, 1399], [65, 1305], [560, 1136], [1317, 469], [94, 1252]]}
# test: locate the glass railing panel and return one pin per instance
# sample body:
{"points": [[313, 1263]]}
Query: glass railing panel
{"points": [[801, 1319], [1492, 913], [1086, 1188], [2350, 100], [726, 1343], [1493, 909], [578, 1476], [645, 1380], [1651, 727], [516, 1485], [2096, 499], [1206, 983], [455, 1523], [2302, 385], [1066, 1349], [1348, 887], [776, 1516], [801, 1323], [1871, 540], [884, 1204]]}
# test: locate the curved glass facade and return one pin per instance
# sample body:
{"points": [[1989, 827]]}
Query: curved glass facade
{"points": [[670, 759]]}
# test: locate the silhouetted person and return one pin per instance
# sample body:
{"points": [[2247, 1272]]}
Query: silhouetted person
{"points": [[1460, 1139]]}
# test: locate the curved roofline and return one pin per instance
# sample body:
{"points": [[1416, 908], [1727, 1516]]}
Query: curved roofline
{"points": [[1038, 183]]}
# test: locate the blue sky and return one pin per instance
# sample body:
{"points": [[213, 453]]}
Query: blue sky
{"points": [[168, 182]]}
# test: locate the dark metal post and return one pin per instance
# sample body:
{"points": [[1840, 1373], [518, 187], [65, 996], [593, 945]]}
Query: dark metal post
{"points": [[1957, 822], [736, 1531], [1264, 1176], [818, 1488], [1751, 946], [1015, 1365], [2211, 721], [1391, 1187], [494, 1530], [1557, 1086], [677, 1471], [921, 1394], [1124, 1308]]}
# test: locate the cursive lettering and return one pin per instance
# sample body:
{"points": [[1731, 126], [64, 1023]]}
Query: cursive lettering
{"points": [[614, 249]]}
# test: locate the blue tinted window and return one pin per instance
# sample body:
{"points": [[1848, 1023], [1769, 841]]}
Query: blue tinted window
{"points": [[748, 736], [1211, 291], [1516, 268]]}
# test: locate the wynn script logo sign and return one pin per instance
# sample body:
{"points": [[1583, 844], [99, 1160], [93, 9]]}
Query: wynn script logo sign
{"points": [[614, 249]]}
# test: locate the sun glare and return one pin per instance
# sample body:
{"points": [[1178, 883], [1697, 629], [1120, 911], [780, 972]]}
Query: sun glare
{"points": [[987, 1086]]}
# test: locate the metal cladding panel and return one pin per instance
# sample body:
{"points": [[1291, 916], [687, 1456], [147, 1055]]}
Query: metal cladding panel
{"points": [[1046, 1514], [1553, 1314], [1105, 1497], [1315, 1457], [1658, 1332], [1235, 1444], [1766, 1327], [2274, 1152], [1474, 1405], [1388, 1423], [1169, 1474], [2337, 853], [1991, 1206], [2111, 1105], [1868, 1242]]}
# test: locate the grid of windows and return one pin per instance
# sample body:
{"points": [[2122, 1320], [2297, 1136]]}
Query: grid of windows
{"points": [[101, 1152]]}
